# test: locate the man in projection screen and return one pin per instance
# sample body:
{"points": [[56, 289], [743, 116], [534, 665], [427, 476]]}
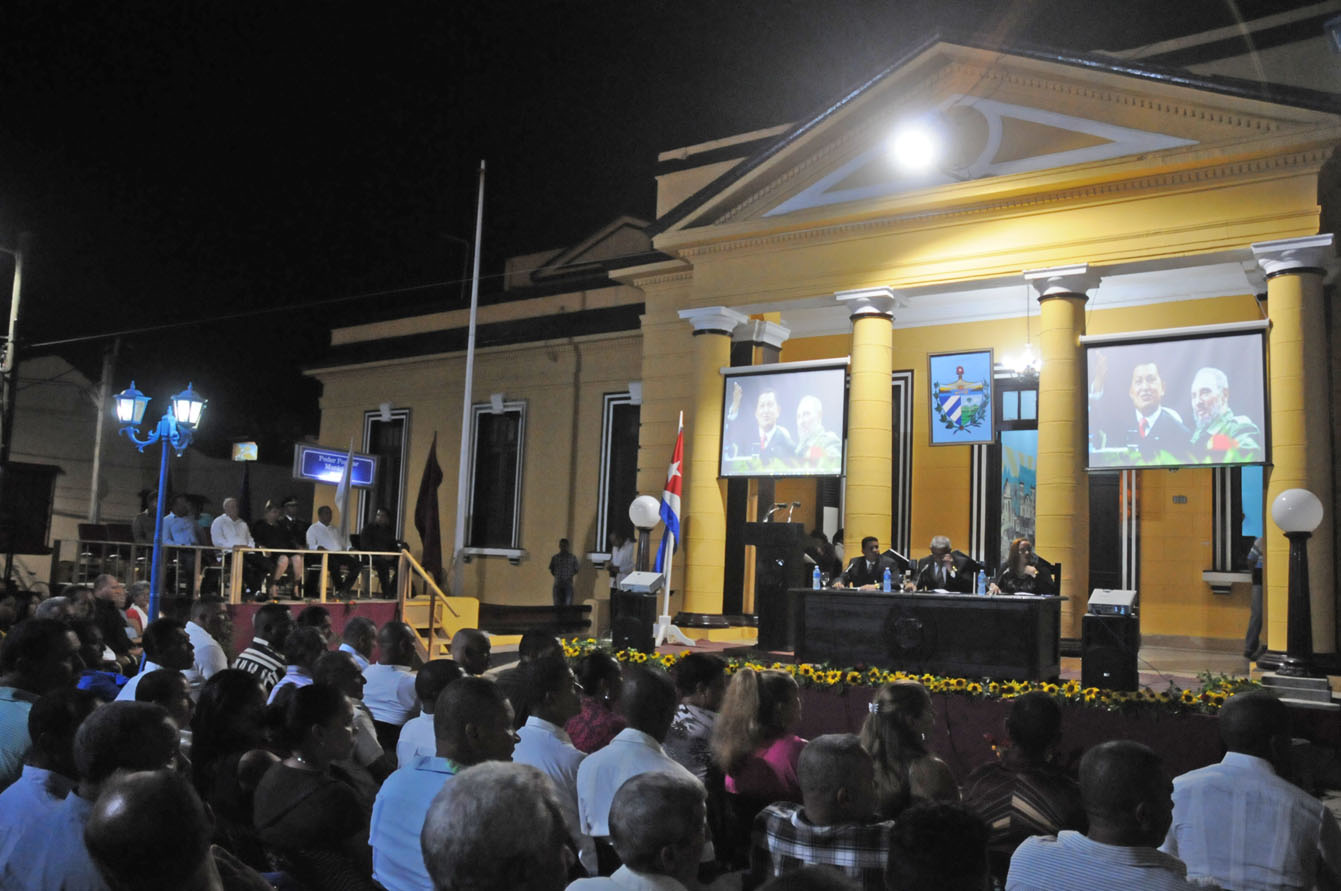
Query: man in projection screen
{"points": [[1220, 434], [1148, 424], [816, 448]]}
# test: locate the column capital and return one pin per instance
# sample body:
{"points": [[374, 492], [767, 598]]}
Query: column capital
{"points": [[761, 332], [1311, 253], [713, 319], [871, 302], [1060, 281]]}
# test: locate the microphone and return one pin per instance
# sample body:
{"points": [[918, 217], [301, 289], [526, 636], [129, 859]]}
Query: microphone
{"points": [[776, 507], [795, 505]]}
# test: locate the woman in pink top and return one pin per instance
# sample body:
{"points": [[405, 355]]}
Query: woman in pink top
{"points": [[753, 742]]}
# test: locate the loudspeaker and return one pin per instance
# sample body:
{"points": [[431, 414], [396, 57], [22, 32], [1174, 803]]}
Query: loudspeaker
{"points": [[1108, 648], [632, 619]]}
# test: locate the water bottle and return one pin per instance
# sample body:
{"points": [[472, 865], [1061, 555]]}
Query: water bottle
{"points": [[980, 583], [815, 579], [888, 581]]}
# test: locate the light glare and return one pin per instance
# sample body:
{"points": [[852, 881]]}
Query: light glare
{"points": [[914, 148]]}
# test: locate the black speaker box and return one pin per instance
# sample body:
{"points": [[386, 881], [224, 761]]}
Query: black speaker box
{"points": [[632, 619], [1108, 648]]}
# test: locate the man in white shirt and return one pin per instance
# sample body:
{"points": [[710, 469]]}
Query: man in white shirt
{"points": [[229, 531], [1127, 798], [1240, 824], [209, 624], [648, 702], [549, 695], [417, 736], [358, 639], [389, 693], [322, 536], [621, 557], [166, 645]]}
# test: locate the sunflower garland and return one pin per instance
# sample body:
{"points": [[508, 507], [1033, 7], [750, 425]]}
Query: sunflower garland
{"points": [[1207, 699]]}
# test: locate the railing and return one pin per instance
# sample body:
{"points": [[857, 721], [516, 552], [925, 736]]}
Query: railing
{"points": [[366, 559], [432, 613]]}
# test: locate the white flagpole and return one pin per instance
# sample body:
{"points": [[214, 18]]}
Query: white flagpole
{"points": [[664, 627], [463, 468]]}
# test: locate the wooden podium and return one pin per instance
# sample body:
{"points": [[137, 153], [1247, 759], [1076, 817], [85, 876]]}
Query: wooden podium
{"points": [[779, 569]]}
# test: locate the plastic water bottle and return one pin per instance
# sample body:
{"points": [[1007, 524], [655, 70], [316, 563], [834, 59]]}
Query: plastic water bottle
{"points": [[980, 583], [815, 579], [888, 581]]}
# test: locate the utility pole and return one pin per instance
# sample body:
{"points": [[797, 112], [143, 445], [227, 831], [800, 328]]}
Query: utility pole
{"points": [[104, 393], [9, 388]]}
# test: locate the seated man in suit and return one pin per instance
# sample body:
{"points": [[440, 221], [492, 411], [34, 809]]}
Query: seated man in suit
{"points": [[943, 570], [868, 570]]}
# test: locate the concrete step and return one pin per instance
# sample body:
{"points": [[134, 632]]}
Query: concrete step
{"points": [[1316, 692]]}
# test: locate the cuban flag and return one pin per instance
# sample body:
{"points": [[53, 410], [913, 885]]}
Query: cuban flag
{"points": [[670, 499]]}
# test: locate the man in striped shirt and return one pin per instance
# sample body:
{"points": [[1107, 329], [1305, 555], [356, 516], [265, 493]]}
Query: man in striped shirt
{"points": [[270, 629], [835, 826]]}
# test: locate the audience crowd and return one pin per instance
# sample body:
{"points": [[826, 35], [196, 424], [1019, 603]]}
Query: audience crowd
{"points": [[323, 760]]}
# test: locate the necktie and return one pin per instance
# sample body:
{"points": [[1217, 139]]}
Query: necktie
{"points": [[1145, 425]]}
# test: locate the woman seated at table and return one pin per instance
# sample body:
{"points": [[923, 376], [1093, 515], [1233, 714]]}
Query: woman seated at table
{"points": [[1023, 573]]}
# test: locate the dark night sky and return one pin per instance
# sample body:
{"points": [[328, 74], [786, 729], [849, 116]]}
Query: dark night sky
{"points": [[179, 161]]}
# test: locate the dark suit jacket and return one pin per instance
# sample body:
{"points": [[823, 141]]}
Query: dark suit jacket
{"points": [[961, 581], [856, 574]]}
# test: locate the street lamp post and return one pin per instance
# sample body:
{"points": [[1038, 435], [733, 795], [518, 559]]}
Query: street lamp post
{"points": [[1298, 512], [174, 429]]}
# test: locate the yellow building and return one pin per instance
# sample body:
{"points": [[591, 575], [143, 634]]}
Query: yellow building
{"points": [[1071, 198]]}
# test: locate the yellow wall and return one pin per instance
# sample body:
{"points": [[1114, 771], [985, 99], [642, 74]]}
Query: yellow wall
{"points": [[563, 383]]}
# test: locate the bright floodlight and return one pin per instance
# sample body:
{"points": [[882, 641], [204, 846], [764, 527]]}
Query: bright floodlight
{"points": [[915, 147], [1297, 510], [645, 511]]}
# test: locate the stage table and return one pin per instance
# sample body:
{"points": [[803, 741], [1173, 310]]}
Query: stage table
{"points": [[961, 635]]}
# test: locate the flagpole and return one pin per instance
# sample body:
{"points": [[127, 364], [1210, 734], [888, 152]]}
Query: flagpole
{"points": [[463, 469], [665, 629]]}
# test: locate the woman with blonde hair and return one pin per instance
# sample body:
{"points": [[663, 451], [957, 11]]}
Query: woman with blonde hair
{"points": [[895, 735], [752, 739]]}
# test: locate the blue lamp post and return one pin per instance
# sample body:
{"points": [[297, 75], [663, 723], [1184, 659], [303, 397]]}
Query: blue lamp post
{"points": [[174, 429]]}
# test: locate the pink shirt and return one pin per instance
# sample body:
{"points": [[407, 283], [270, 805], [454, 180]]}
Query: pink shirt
{"points": [[769, 774]]}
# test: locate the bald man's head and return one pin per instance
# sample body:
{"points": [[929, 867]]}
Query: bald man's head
{"points": [[470, 650], [149, 831], [1255, 723]]}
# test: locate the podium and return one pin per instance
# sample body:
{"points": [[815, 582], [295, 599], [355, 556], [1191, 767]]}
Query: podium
{"points": [[779, 569]]}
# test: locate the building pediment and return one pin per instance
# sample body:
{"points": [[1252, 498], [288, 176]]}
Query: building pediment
{"points": [[1011, 128]]}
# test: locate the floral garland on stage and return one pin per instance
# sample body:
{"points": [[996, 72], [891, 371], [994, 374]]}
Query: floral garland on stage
{"points": [[1208, 698]]}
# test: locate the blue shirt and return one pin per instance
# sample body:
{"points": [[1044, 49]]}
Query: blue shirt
{"points": [[179, 530], [14, 742], [49, 853], [102, 684], [33, 795], [398, 817]]}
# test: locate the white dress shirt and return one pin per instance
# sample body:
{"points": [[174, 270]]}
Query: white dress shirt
{"points": [[389, 693], [226, 533], [629, 754], [416, 738], [359, 659], [547, 747], [127, 693], [209, 658], [1244, 827], [1072, 862], [324, 538]]}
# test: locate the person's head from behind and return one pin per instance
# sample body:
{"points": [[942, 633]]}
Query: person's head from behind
{"points": [[471, 841], [1257, 723], [40, 655], [472, 722], [91, 643], [563, 546], [899, 720], [123, 736], [1126, 794], [211, 613], [600, 676], [657, 825], [432, 679], [60, 608], [470, 649], [547, 689], [759, 707], [700, 679], [396, 640], [1034, 724], [319, 724], [229, 715], [149, 831], [52, 723], [538, 645], [317, 617], [360, 633], [940, 846], [1147, 388], [167, 644], [272, 624], [169, 688], [837, 778], [339, 670], [647, 700], [304, 647]]}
